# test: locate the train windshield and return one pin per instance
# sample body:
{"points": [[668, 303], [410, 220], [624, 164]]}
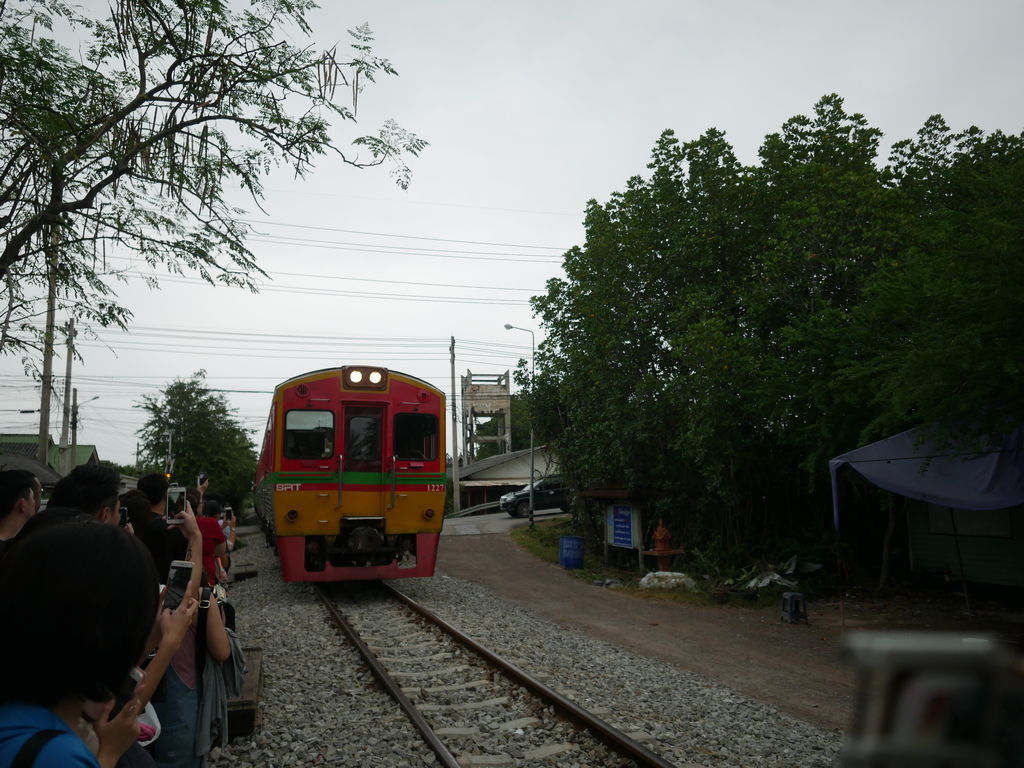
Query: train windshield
{"points": [[308, 434], [416, 436], [362, 438]]}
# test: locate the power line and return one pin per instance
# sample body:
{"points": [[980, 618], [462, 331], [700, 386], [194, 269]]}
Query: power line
{"points": [[321, 276], [404, 237], [422, 202], [301, 290], [236, 336], [414, 251], [329, 244]]}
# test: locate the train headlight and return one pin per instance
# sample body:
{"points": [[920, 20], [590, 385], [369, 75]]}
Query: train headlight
{"points": [[364, 377], [428, 514], [292, 516]]}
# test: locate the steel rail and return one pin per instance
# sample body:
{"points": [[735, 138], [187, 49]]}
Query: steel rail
{"points": [[390, 685], [612, 737]]}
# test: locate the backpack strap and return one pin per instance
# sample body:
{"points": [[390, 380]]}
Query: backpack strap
{"points": [[204, 607], [30, 750]]}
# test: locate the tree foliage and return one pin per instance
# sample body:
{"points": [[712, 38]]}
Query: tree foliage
{"points": [[205, 436], [137, 140], [725, 329]]}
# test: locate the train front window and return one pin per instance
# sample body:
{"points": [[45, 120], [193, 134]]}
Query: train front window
{"points": [[416, 436], [308, 434], [362, 439]]}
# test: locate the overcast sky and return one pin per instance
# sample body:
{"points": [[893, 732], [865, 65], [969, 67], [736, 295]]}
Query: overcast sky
{"points": [[531, 109]]}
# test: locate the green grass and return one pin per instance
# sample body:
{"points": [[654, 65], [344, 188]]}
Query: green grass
{"points": [[542, 541]]}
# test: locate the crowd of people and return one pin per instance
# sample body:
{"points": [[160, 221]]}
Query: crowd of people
{"points": [[119, 640]]}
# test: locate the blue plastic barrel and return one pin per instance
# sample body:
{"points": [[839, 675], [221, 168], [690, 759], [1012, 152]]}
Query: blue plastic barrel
{"points": [[570, 552]]}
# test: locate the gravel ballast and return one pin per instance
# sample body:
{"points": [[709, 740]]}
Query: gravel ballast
{"points": [[320, 706]]}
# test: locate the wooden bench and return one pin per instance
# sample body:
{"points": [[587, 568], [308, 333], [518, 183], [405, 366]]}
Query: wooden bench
{"points": [[244, 715]]}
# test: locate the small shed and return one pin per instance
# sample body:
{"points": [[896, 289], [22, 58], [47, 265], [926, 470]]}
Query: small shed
{"points": [[969, 520]]}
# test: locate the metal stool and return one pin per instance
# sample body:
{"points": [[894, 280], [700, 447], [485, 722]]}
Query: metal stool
{"points": [[794, 607]]}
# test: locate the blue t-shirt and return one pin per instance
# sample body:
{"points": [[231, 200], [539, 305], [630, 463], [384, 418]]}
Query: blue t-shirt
{"points": [[19, 721]]}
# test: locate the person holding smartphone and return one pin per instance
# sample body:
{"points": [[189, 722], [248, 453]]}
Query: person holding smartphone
{"points": [[179, 709], [214, 541], [67, 573], [172, 624]]}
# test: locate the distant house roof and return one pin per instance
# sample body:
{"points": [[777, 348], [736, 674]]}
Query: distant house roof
{"points": [[84, 454], [27, 445], [508, 468], [493, 461], [24, 445], [48, 477]]}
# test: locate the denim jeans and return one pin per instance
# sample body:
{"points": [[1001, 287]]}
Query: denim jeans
{"points": [[176, 747]]}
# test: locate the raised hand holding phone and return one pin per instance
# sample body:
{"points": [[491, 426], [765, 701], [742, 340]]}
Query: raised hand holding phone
{"points": [[174, 623], [178, 577], [176, 501], [117, 734]]}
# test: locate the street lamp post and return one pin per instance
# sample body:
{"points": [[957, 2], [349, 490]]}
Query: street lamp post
{"points": [[533, 355]]}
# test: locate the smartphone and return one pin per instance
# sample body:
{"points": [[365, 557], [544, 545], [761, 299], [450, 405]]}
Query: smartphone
{"points": [[125, 692], [175, 503], [178, 577], [203, 477]]}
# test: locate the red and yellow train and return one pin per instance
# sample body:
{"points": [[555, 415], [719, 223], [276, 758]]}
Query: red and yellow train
{"points": [[351, 478]]}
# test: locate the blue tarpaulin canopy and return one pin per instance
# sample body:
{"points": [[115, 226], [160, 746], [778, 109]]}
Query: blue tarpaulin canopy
{"points": [[911, 466]]}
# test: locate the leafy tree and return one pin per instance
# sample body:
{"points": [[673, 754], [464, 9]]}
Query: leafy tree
{"points": [[205, 436], [724, 330], [125, 469], [953, 293], [137, 140]]}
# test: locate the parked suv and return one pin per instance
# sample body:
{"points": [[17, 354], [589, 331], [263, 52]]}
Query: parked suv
{"points": [[549, 492]]}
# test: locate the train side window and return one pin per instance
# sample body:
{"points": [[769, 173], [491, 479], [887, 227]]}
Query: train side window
{"points": [[416, 436], [308, 434], [362, 439]]}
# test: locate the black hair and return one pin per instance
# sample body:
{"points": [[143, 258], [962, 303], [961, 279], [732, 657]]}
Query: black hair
{"points": [[212, 508], [49, 517], [90, 487], [155, 486], [14, 485], [139, 510], [78, 601]]}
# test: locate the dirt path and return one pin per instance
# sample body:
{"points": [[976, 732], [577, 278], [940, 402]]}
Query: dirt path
{"points": [[796, 667]]}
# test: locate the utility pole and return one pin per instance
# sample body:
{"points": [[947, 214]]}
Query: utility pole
{"points": [[168, 467], [456, 494], [74, 425], [43, 447], [533, 384], [65, 457]]}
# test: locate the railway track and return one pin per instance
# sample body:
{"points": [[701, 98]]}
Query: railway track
{"points": [[471, 706]]}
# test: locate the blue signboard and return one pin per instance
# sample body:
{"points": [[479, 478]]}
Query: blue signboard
{"points": [[621, 526]]}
